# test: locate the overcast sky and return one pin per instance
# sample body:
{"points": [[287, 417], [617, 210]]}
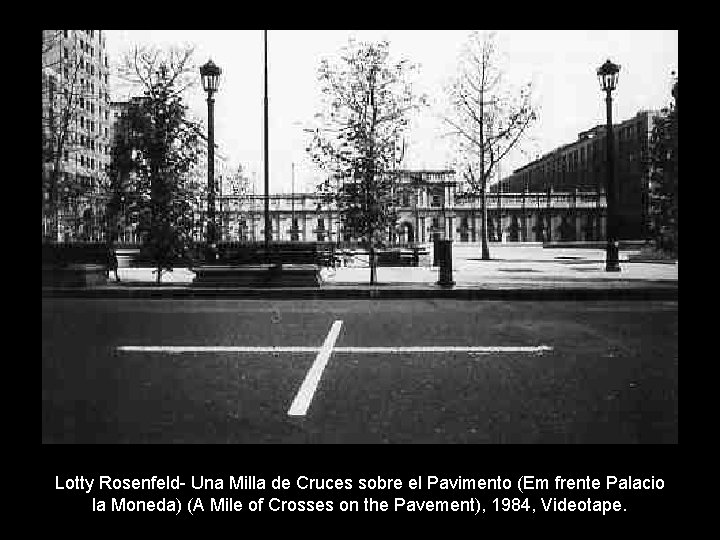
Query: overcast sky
{"points": [[561, 65]]}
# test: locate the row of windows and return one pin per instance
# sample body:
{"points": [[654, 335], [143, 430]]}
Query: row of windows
{"points": [[90, 33], [87, 67], [91, 144], [90, 106]]}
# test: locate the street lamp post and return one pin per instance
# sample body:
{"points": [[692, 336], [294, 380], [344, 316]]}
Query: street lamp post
{"points": [[210, 75], [608, 76], [266, 151]]}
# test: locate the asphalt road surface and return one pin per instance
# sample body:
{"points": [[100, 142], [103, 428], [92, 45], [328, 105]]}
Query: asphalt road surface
{"points": [[415, 371]]}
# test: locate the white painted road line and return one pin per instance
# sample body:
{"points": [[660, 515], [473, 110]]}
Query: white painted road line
{"points": [[441, 349], [178, 349], [304, 396], [219, 348]]}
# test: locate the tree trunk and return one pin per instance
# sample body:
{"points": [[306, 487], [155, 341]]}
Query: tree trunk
{"points": [[483, 229]]}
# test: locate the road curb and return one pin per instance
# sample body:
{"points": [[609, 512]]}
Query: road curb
{"points": [[374, 293]]}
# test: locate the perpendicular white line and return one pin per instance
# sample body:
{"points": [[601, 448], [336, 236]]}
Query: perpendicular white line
{"points": [[304, 396]]}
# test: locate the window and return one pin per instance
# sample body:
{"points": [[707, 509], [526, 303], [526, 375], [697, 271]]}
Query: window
{"points": [[65, 32], [321, 224], [106, 133], [92, 164], [82, 121], [67, 155], [106, 78], [82, 103], [82, 140], [67, 53], [82, 160], [82, 45]]}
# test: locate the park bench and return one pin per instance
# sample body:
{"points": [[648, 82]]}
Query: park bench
{"points": [[255, 265]]}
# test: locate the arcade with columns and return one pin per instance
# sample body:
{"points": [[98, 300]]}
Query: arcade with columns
{"points": [[432, 207]]}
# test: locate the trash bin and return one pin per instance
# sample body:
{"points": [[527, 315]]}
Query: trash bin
{"points": [[444, 259], [436, 252]]}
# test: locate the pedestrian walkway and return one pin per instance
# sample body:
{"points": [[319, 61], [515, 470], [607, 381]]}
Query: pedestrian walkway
{"points": [[513, 271], [509, 264]]}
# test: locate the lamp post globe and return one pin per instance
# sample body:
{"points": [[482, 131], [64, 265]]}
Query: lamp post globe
{"points": [[210, 76], [608, 78]]}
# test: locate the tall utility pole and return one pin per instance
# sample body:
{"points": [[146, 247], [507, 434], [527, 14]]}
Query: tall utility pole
{"points": [[292, 201], [268, 234]]}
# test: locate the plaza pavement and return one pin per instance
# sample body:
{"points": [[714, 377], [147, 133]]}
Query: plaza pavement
{"points": [[514, 268]]}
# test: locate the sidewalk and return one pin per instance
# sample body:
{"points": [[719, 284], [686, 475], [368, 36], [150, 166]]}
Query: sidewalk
{"points": [[515, 272]]}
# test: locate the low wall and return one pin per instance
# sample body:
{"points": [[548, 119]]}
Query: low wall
{"points": [[74, 275]]}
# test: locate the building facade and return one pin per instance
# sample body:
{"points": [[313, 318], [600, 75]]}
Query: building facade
{"points": [[431, 208], [582, 165], [76, 137]]}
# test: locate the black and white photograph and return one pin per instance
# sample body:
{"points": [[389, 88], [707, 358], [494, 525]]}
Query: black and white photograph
{"points": [[360, 237]]}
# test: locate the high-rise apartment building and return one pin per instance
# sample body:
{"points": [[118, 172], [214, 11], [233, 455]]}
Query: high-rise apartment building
{"points": [[76, 138]]}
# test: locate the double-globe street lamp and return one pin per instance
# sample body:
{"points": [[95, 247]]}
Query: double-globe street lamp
{"points": [[608, 77], [210, 75]]}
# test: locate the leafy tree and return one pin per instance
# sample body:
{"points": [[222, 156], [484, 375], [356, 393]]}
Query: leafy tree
{"points": [[487, 117], [367, 102], [664, 176], [156, 146]]}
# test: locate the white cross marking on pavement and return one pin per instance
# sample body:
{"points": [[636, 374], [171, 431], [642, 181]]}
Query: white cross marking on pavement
{"points": [[305, 394]]}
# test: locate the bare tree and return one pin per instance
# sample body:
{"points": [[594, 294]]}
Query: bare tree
{"points": [[488, 118]]}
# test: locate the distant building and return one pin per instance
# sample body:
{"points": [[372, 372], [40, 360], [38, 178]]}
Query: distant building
{"points": [[430, 209], [581, 165], [76, 138]]}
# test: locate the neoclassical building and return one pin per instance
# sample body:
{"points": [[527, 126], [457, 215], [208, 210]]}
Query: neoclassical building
{"points": [[430, 208]]}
